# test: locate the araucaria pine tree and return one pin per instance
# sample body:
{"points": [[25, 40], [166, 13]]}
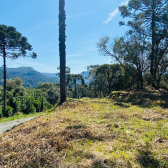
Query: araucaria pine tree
{"points": [[12, 45], [151, 16], [62, 50]]}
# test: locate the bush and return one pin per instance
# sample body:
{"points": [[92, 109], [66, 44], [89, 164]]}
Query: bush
{"points": [[18, 114], [52, 95], [9, 111], [30, 109], [18, 106], [37, 105], [47, 105]]}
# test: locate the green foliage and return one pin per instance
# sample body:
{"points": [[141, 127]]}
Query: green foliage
{"points": [[18, 106], [52, 95], [13, 41], [149, 19], [37, 105], [72, 80], [1, 114], [130, 52], [9, 111], [44, 86], [107, 78], [47, 105], [30, 109], [28, 100]]}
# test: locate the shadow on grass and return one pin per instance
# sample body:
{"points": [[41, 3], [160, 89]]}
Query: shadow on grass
{"points": [[79, 132], [121, 104], [76, 127], [147, 160], [144, 99]]}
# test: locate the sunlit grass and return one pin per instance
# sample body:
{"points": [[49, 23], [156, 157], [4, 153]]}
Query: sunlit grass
{"points": [[90, 133]]}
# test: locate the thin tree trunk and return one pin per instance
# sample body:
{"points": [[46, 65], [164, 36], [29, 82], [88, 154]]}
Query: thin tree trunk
{"points": [[100, 94], [75, 89], [158, 80], [4, 84], [141, 80], [62, 50], [153, 45], [95, 89], [137, 80]]}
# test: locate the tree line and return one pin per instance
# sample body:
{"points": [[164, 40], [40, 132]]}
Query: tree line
{"points": [[103, 79]]}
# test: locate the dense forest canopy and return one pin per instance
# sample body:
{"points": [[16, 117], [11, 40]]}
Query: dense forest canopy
{"points": [[28, 100]]}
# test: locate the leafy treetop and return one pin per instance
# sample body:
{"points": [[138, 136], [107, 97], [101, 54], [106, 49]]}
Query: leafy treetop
{"points": [[13, 44]]}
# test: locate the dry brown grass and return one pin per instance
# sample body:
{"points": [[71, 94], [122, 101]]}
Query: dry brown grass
{"points": [[87, 133]]}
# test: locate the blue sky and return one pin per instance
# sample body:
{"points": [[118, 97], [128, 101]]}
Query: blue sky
{"points": [[87, 22]]}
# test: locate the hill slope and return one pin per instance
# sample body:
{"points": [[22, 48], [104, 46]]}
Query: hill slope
{"points": [[90, 133], [30, 77]]}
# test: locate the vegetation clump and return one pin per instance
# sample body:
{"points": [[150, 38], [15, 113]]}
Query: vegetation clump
{"points": [[28, 100]]}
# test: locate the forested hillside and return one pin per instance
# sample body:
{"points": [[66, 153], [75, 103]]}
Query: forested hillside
{"points": [[28, 100], [29, 76]]}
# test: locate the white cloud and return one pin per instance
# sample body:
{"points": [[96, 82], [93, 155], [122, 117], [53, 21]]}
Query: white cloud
{"points": [[114, 13]]}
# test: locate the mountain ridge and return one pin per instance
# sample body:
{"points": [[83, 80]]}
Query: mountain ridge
{"points": [[32, 78], [29, 76]]}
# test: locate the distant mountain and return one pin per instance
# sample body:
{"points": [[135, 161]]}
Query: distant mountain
{"points": [[29, 76], [51, 75], [32, 78], [55, 75]]}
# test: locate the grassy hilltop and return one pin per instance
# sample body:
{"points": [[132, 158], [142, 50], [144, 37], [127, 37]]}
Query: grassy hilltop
{"points": [[129, 129]]}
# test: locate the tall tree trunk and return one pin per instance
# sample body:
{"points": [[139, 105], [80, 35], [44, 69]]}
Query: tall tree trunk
{"points": [[62, 51], [4, 84], [153, 44]]}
